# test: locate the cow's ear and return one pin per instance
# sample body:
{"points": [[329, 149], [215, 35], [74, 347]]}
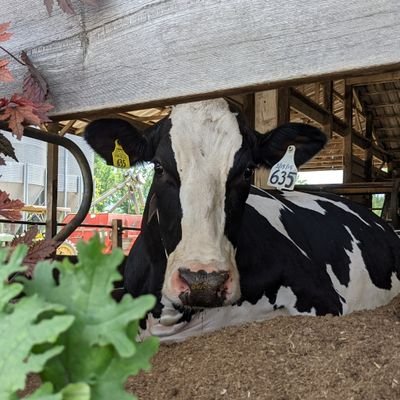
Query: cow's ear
{"points": [[272, 146], [102, 135]]}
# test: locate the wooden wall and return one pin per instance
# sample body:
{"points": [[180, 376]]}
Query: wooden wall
{"points": [[128, 54]]}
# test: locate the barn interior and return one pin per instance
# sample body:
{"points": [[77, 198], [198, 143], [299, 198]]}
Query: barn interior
{"points": [[335, 66], [367, 150], [360, 116]]}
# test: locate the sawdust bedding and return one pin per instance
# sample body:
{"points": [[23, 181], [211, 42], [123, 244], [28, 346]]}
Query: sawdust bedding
{"points": [[353, 357], [356, 357]]}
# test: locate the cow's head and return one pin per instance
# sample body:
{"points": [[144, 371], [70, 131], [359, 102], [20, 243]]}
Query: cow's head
{"points": [[204, 156]]}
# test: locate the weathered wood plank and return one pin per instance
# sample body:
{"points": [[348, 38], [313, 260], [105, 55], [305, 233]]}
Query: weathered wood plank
{"points": [[328, 105], [373, 79], [126, 54]]}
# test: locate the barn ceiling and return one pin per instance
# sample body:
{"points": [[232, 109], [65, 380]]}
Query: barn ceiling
{"points": [[380, 100]]}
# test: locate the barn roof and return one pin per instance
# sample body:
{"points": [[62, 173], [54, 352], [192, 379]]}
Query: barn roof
{"points": [[379, 99]]}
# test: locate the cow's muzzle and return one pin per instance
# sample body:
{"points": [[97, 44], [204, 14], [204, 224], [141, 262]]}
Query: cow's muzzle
{"points": [[204, 289]]}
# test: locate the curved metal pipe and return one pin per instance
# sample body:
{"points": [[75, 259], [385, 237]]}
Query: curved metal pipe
{"points": [[85, 170]]}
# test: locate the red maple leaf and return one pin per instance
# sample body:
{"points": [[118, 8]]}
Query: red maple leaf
{"points": [[10, 209], [5, 74], [41, 110], [37, 249], [35, 87], [3, 34], [19, 110], [6, 149], [65, 5], [26, 238]]}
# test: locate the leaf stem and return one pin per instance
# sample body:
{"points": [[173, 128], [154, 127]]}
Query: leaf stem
{"points": [[12, 55]]}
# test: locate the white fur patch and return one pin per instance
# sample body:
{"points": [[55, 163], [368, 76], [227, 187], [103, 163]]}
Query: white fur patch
{"points": [[205, 137], [310, 202], [361, 293], [212, 319], [270, 208]]}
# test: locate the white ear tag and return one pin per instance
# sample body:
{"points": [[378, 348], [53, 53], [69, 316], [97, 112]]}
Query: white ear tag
{"points": [[283, 174]]}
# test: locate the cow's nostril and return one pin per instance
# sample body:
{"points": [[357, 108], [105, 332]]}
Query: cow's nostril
{"points": [[206, 289]]}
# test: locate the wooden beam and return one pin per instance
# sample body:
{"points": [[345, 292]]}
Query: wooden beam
{"points": [[380, 105], [283, 115], [67, 127], [348, 138], [369, 153], [272, 108], [116, 233], [123, 55], [307, 107], [388, 128], [328, 105], [386, 116], [373, 79], [249, 109], [349, 188], [380, 92]]}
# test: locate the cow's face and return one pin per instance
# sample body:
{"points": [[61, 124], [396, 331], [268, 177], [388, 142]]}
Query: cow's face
{"points": [[204, 156]]}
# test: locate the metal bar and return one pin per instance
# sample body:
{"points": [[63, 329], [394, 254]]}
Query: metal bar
{"points": [[52, 189], [85, 170], [124, 228]]}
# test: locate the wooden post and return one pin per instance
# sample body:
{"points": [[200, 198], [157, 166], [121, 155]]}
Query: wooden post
{"points": [[368, 156], [328, 105], [52, 185], [116, 233], [283, 106], [394, 204], [272, 108], [249, 109], [348, 138]]}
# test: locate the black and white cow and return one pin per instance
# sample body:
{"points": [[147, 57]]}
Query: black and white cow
{"points": [[216, 251]]}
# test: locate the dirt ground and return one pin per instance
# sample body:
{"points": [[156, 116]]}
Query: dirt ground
{"points": [[354, 357]]}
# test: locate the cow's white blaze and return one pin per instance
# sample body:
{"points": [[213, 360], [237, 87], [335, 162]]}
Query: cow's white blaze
{"points": [[205, 137]]}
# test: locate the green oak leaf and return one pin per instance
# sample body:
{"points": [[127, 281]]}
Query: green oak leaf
{"points": [[76, 391], [9, 291], [102, 331], [44, 392], [23, 325], [110, 384]]}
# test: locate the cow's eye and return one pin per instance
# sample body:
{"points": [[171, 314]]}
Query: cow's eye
{"points": [[158, 169], [248, 172]]}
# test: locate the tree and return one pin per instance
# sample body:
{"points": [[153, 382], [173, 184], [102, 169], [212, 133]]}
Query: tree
{"points": [[107, 177]]}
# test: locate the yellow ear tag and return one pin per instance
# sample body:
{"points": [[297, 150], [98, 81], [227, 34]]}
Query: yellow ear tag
{"points": [[120, 158]]}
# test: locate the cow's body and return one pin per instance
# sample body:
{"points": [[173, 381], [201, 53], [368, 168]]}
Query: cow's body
{"points": [[297, 253], [213, 258]]}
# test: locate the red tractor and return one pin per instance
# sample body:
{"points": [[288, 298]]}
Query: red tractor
{"points": [[86, 232]]}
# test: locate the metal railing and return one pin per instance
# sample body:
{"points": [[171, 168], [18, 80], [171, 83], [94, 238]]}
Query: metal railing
{"points": [[85, 170]]}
